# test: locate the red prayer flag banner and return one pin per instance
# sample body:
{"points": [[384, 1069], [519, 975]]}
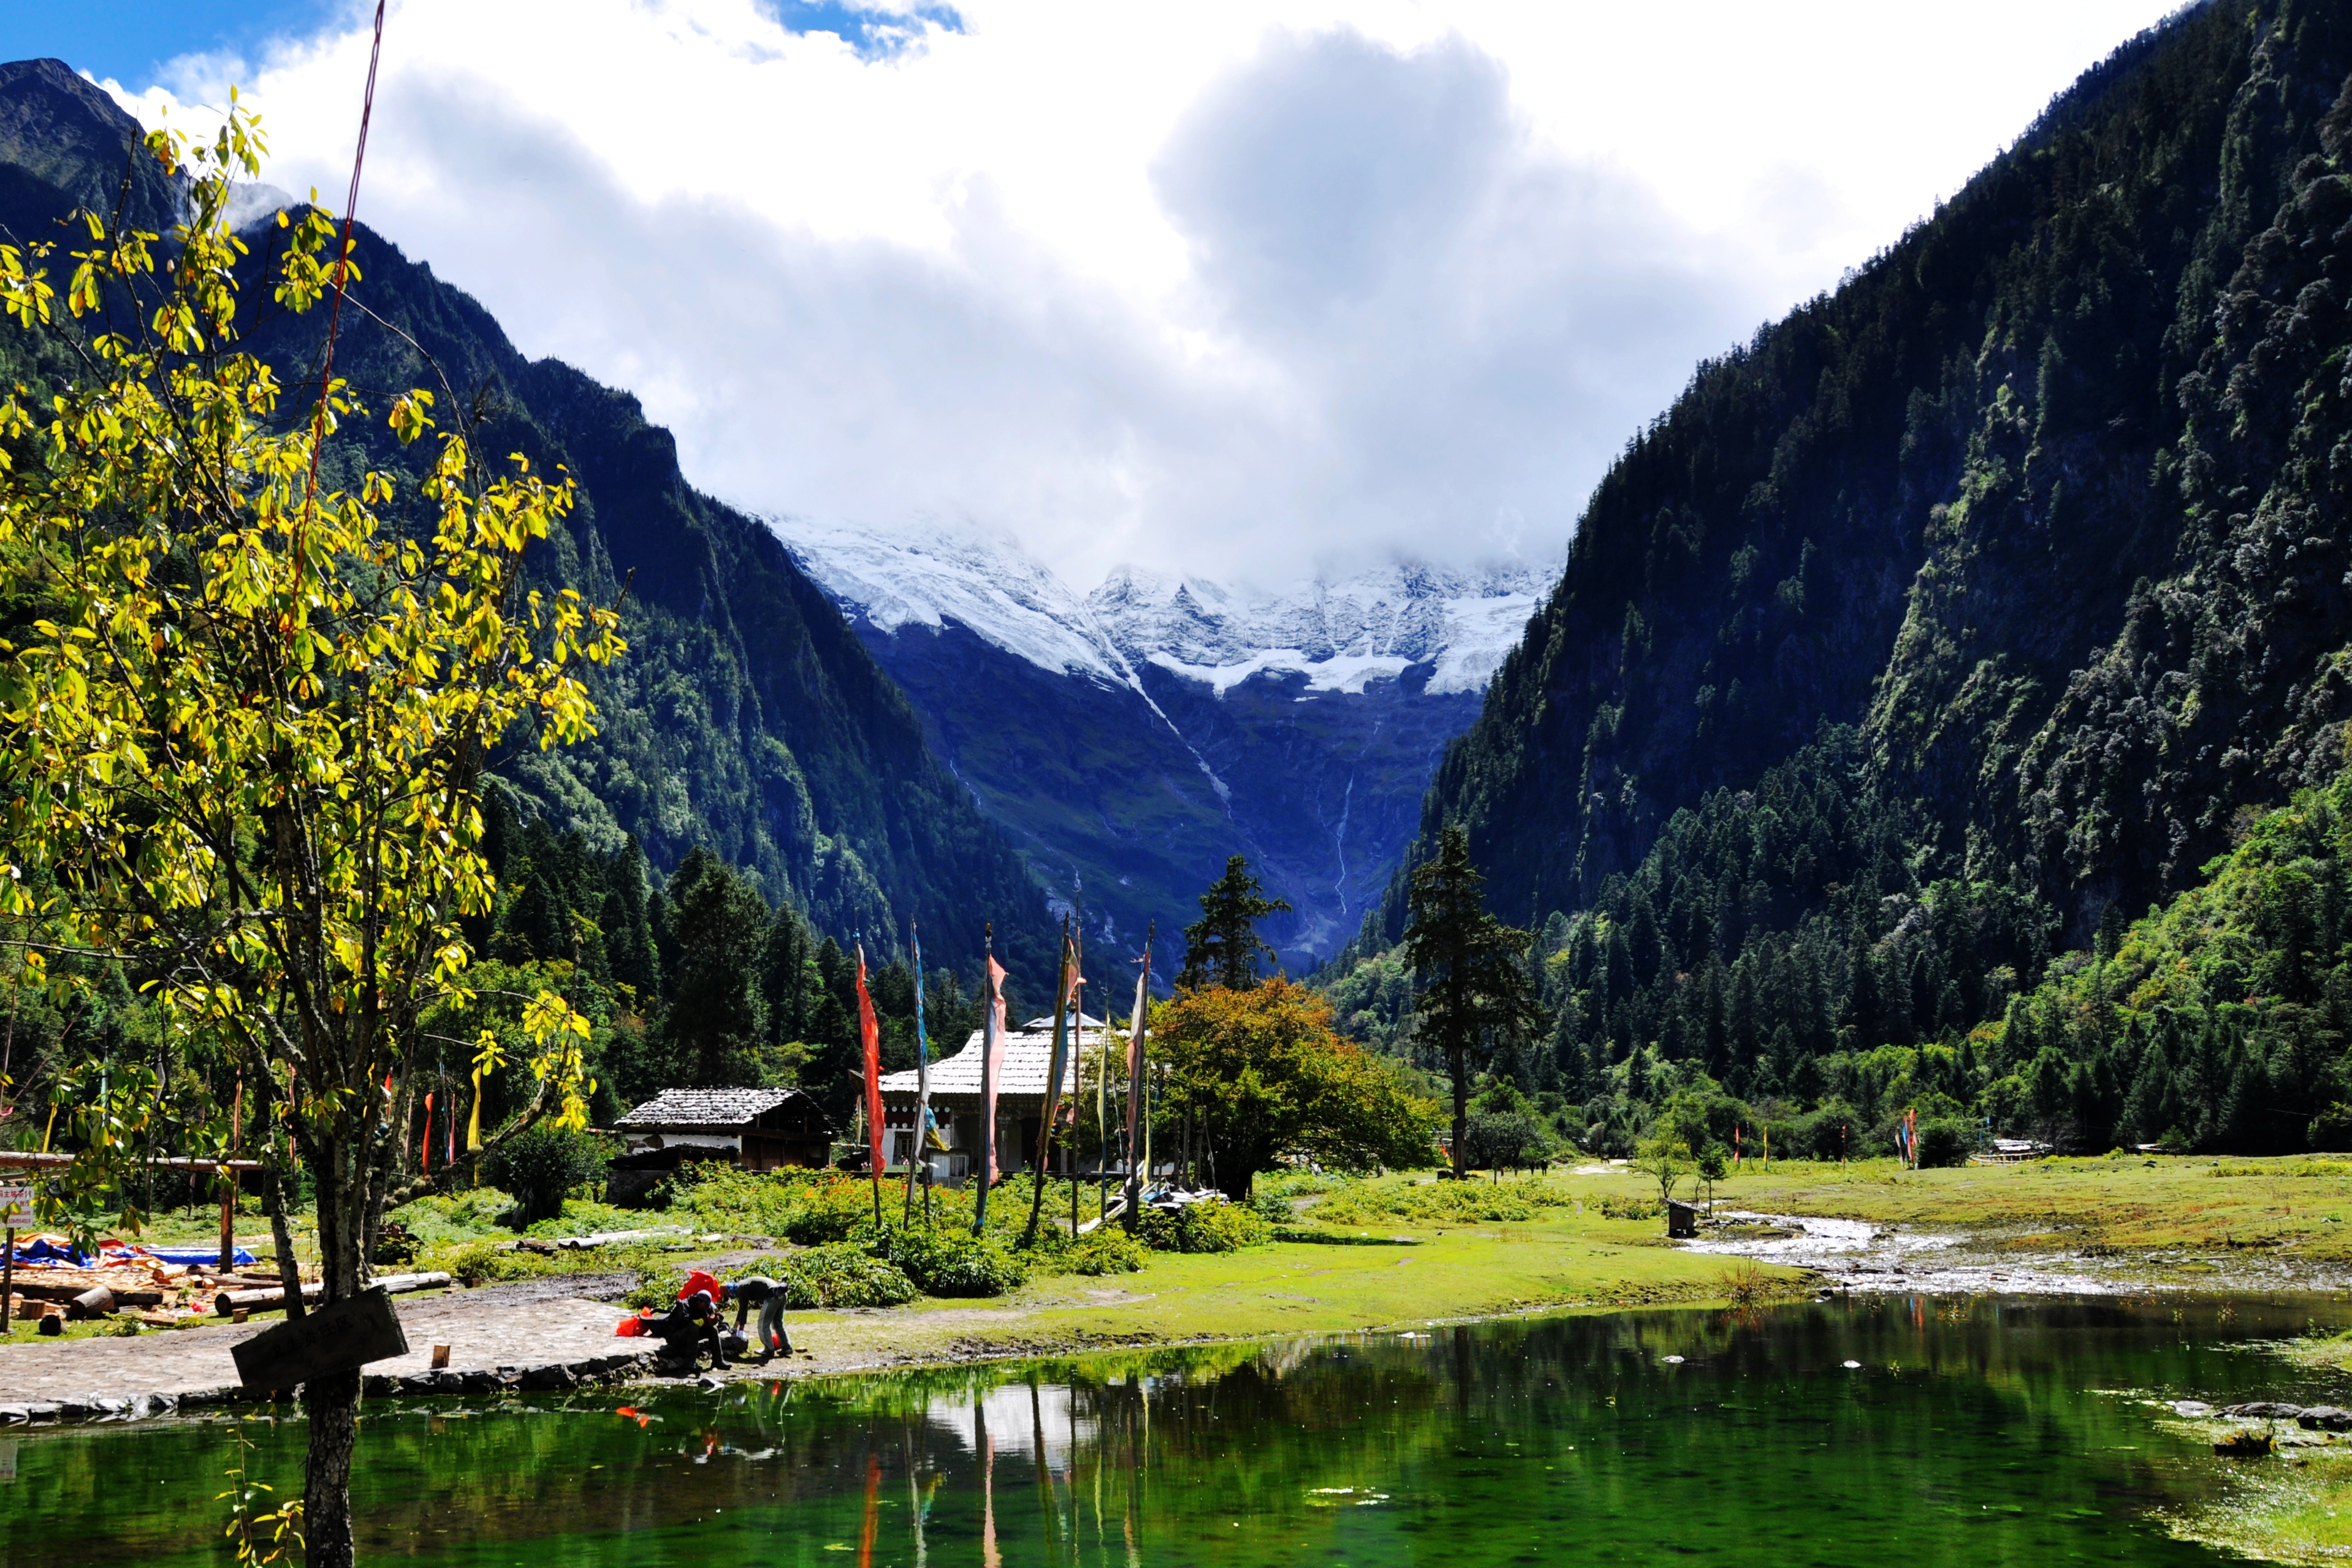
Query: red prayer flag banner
{"points": [[870, 1032]]}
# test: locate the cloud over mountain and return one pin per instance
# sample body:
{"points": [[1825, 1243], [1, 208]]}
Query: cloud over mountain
{"points": [[1241, 289]]}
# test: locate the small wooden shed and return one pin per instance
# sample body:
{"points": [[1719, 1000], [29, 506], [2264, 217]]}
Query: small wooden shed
{"points": [[752, 1129]]}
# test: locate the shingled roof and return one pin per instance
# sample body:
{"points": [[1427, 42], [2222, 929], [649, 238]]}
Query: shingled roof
{"points": [[712, 1107], [1028, 1054]]}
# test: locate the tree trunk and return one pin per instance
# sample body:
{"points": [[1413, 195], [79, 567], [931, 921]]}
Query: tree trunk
{"points": [[341, 1177], [1240, 1177], [289, 1271], [1458, 1061], [334, 1402]]}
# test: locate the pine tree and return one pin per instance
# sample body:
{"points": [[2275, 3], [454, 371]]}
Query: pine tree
{"points": [[719, 927], [1474, 991], [628, 930], [1221, 947]]}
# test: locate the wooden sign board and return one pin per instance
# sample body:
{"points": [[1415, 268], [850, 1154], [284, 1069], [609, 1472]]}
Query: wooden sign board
{"points": [[336, 1337], [17, 1204]]}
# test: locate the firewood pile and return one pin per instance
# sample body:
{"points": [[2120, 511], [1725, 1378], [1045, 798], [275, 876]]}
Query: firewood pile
{"points": [[159, 1294]]}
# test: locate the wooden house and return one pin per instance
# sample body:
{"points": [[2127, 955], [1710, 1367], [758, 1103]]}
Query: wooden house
{"points": [[752, 1129], [1027, 1056]]}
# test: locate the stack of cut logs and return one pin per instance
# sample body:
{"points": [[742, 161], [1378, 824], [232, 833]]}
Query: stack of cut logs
{"points": [[157, 1295]]}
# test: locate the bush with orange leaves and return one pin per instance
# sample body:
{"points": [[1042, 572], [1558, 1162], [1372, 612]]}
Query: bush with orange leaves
{"points": [[1264, 1077]]}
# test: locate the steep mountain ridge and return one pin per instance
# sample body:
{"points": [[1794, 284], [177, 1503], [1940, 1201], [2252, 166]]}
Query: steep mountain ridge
{"points": [[1132, 738], [1960, 616], [747, 717]]}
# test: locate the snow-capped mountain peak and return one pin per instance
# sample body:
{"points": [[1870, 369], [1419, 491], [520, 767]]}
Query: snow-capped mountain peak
{"points": [[1340, 634], [985, 585]]}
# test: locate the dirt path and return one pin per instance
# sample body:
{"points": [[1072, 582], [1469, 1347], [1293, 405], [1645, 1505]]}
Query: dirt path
{"points": [[522, 1325]]}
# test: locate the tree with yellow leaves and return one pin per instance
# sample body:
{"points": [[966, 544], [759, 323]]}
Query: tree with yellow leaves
{"points": [[244, 722]]}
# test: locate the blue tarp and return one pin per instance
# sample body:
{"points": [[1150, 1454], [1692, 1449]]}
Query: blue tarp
{"points": [[41, 1249], [204, 1255]]}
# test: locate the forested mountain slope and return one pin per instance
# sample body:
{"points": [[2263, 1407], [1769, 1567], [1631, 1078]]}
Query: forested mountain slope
{"points": [[1969, 609], [747, 717]]}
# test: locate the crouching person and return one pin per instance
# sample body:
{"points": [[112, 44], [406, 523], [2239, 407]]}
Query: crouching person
{"points": [[688, 1329]]}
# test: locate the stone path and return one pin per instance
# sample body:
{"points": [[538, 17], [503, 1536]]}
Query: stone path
{"points": [[485, 1330]]}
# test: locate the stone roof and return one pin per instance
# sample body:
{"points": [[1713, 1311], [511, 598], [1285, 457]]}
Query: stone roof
{"points": [[712, 1107], [1027, 1056]]}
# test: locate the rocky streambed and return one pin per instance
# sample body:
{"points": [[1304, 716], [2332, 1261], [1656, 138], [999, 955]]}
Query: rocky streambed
{"points": [[1862, 1256]]}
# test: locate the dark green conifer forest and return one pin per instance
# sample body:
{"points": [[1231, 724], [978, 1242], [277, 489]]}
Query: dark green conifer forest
{"points": [[1972, 637]]}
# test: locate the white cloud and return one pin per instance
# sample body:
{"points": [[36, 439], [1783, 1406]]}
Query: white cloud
{"points": [[1233, 288]]}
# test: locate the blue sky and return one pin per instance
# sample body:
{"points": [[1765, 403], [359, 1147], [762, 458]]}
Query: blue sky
{"points": [[129, 39]]}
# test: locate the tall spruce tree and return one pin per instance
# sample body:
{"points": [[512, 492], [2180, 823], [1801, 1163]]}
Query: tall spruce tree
{"points": [[628, 932], [1221, 947], [719, 926], [1476, 995]]}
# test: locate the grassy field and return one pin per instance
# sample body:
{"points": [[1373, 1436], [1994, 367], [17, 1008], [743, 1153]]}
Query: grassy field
{"points": [[2298, 1207], [1592, 1238], [1405, 1251]]}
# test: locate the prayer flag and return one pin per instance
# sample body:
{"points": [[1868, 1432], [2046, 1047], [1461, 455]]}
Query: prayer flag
{"points": [[869, 1032], [1138, 1157], [991, 1046]]}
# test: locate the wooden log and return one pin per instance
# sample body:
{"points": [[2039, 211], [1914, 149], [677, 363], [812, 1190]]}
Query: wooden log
{"points": [[27, 1159], [230, 1302], [69, 1291]]}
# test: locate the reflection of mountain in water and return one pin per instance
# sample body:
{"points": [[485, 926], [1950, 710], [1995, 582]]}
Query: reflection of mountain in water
{"points": [[1129, 741]]}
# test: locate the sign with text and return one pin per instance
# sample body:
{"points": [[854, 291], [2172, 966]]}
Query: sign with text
{"points": [[336, 1337], [16, 1204]]}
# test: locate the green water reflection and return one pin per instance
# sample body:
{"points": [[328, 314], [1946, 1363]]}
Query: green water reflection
{"points": [[1983, 1432]]}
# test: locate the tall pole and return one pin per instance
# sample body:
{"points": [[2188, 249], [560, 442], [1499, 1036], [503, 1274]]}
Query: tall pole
{"points": [[922, 1091], [870, 1036], [1052, 1089], [1135, 1106], [992, 1025], [229, 1199]]}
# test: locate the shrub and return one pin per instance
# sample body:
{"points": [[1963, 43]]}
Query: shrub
{"points": [[1216, 1226], [394, 1247], [1440, 1203], [1272, 1209], [1514, 1138], [842, 1274], [948, 1263], [540, 1164], [658, 1288], [1108, 1251], [1945, 1142], [1632, 1208], [486, 1261]]}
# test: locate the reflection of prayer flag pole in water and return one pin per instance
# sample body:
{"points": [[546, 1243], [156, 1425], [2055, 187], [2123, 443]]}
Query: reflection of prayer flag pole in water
{"points": [[872, 1501], [1046, 1501], [917, 1503], [988, 1555], [1138, 1439]]}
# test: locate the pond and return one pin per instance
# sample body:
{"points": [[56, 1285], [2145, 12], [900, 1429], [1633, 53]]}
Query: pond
{"points": [[1939, 1430]]}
